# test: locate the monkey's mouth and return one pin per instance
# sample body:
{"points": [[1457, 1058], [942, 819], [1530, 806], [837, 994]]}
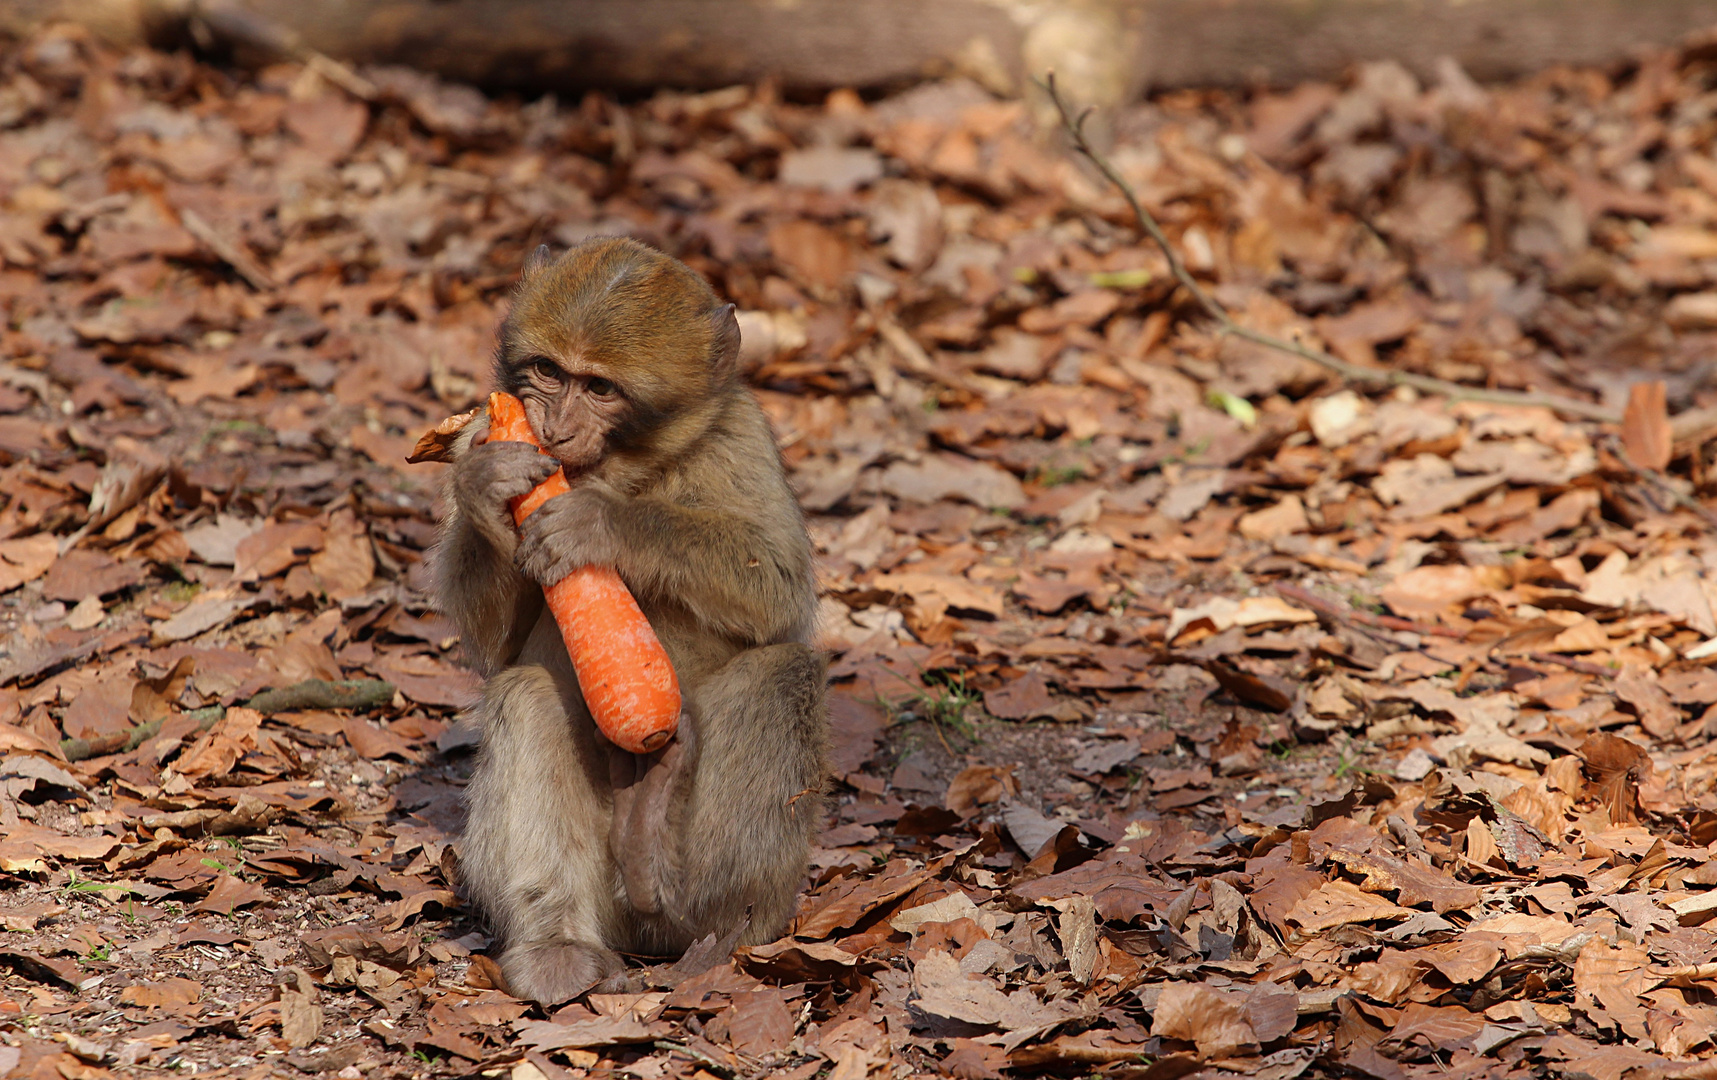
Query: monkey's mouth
{"points": [[574, 460]]}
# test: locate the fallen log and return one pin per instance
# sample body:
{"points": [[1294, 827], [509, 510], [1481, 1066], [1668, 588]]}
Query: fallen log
{"points": [[1104, 50]]}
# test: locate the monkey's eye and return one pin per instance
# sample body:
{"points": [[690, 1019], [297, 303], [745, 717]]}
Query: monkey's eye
{"points": [[547, 369], [601, 387]]}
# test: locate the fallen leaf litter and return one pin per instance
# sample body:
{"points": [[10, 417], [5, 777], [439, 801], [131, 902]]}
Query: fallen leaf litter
{"points": [[1194, 713]]}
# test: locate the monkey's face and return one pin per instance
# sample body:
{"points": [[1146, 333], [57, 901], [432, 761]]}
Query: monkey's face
{"points": [[614, 347], [574, 412]]}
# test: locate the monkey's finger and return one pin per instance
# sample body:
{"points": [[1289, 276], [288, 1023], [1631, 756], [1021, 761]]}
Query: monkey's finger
{"points": [[508, 448], [535, 536], [520, 462], [545, 465], [559, 537], [536, 559], [511, 487], [515, 459]]}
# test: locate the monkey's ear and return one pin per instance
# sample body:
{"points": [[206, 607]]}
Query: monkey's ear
{"points": [[724, 350], [536, 260]]}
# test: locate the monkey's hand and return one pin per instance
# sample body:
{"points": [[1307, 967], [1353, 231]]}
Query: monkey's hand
{"points": [[567, 532], [486, 477]]}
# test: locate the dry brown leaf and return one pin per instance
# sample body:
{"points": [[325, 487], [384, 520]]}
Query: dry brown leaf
{"points": [[1425, 591], [429, 680], [946, 476], [26, 559], [1521, 932], [1614, 766], [954, 591], [82, 572], [436, 444], [370, 740], [275, 547], [346, 564], [1646, 437], [300, 1014], [760, 1022], [1338, 903], [1639, 688], [1216, 1024], [979, 785], [1285, 518], [546, 1036], [849, 901], [815, 255], [1027, 698], [855, 729], [171, 994], [45, 969], [1615, 977], [153, 699], [947, 992], [1463, 961], [230, 893], [412, 905], [1414, 884], [55, 844]]}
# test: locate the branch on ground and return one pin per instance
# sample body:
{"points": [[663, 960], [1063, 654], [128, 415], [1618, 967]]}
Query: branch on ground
{"points": [[1226, 324]]}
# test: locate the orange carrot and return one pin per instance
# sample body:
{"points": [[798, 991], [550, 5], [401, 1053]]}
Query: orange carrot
{"points": [[622, 668]]}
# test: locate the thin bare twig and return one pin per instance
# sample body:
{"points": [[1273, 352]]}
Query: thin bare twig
{"points": [[33, 381], [228, 251], [1307, 598], [235, 22], [915, 357], [1353, 373], [696, 1055], [1656, 480]]}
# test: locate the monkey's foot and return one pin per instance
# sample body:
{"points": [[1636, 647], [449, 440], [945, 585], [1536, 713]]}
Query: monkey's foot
{"points": [[552, 972]]}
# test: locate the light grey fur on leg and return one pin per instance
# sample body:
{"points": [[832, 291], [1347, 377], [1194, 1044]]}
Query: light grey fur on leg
{"points": [[535, 855]]}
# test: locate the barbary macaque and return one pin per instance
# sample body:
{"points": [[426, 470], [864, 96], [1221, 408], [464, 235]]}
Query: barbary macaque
{"points": [[575, 850]]}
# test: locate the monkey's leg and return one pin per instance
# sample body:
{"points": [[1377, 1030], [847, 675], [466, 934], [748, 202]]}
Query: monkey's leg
{"points": [[722, 821], [535, 857]]}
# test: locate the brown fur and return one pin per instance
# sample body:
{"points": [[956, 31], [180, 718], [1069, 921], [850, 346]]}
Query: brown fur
{"points": [[574, 849]]}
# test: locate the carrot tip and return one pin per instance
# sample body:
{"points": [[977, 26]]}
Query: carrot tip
{"points": [[656, 740]]}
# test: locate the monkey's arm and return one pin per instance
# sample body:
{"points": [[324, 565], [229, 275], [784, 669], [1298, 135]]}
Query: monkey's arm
{"points": [[745, 579], [493, 604]]}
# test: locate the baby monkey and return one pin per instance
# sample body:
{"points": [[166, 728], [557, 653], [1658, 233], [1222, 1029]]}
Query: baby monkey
{"points": [[626, 363]]}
